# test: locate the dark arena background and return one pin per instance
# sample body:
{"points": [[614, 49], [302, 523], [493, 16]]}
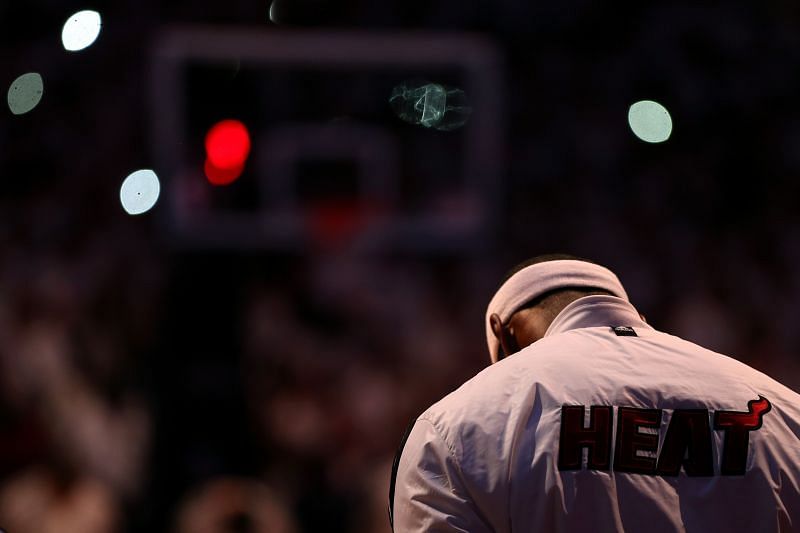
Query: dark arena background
{"points": [[243, 244]]}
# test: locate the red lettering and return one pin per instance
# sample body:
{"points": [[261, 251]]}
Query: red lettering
{"points": [[737, 426], [688, 443], [634, 446], [575, 437]]}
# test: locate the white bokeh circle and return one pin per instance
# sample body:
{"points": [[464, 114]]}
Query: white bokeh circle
{"points": [[25, 93], [650, 121], [139, 192], [81, 30]]}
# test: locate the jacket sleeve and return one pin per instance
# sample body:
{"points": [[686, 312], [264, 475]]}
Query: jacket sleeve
{"points": [[430, 493]]}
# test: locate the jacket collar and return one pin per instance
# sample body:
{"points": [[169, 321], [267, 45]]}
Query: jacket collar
{"points": [[596, 311]]}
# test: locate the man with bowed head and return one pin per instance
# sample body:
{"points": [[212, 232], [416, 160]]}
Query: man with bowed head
{"points": [[589, 419]]}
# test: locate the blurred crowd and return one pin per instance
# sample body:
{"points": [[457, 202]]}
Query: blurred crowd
{"points": [[147, 388], [274, 407], [151, 391]]}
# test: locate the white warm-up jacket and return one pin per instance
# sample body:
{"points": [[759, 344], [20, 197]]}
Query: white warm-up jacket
{"points": [[605, 424]]}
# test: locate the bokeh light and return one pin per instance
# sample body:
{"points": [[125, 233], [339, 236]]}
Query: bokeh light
{"points": [[81, 30], [431, 105], [650, 121], [25, 93], [272, 15], [228, 144], [222, 176], [139, 192], [227, 148]]}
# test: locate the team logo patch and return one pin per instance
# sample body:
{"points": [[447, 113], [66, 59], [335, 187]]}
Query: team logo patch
{"points": [[624, 331], [687, 444]]}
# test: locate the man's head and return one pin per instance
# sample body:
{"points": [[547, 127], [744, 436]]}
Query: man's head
{"points": [[535, 292]]}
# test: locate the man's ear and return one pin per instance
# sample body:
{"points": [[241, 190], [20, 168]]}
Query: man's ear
{"points": [[496, 324], [508, 342]]}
